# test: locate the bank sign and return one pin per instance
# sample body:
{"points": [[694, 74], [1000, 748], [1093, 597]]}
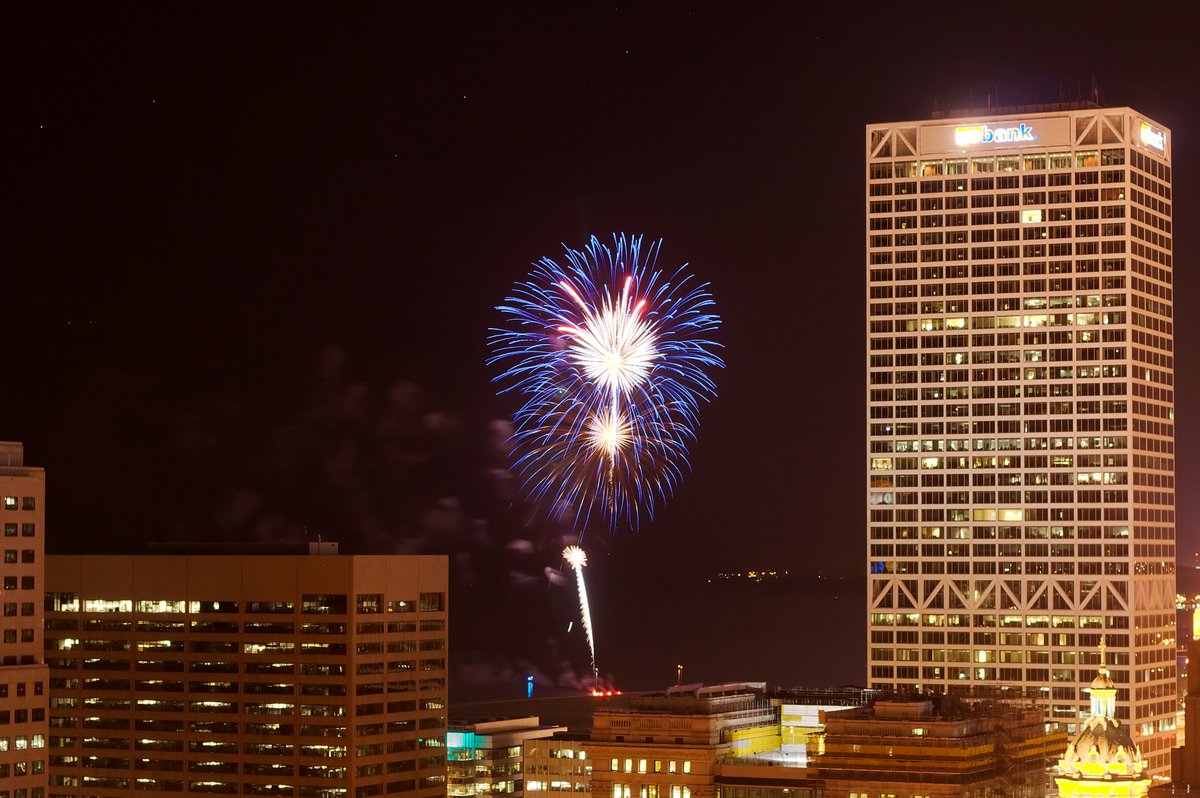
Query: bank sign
{"points": [[986, 134], [1153, 137]]}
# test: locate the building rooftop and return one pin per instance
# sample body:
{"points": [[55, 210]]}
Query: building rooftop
{"points": [[218, 547], [1006, 110], [12, 460]]}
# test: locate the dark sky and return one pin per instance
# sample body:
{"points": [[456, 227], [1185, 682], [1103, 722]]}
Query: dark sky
{"points": [[250, 252]]}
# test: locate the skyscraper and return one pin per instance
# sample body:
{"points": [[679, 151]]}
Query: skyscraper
{"points": [[24, 697], [1020, 433]]}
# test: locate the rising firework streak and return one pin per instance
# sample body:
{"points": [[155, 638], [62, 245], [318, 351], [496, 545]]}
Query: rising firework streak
{"points": [[577, 558]]}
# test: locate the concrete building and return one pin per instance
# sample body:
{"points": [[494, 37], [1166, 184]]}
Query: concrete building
{"points": [[1019, 491], [559, 764], [937, 747], [728, 741], [24, 694], [487, 756], [1185, 760], [668, 746], [306, 676]]}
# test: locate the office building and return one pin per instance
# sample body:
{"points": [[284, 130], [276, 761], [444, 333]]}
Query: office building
{"points": [[937, 747], [24, 696], [668, 746], [487, 756], [1185, 760], [558, 764], [305, 676], [1020, 409], [731, 741]]}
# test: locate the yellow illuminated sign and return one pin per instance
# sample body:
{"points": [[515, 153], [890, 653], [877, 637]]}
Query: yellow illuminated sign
{"points": [[1153, 138]]}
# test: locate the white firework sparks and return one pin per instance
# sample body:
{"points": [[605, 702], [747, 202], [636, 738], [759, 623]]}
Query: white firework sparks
{"points": [[609, 431], [576, 557], [615, 344]]}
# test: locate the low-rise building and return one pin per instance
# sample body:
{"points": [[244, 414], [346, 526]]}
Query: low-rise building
{"points": [[937, 746], [559, 764], [668, 746], [487, 756]]}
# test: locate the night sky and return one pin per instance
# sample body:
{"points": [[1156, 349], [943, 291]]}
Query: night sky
{"points": [[251, 253]]}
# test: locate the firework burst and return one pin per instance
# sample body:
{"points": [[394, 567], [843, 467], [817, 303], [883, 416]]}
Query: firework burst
{"points": [[610, 355]]}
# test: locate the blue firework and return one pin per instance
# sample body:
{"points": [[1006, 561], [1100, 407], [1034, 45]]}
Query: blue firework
{"points": [[611, 357]]}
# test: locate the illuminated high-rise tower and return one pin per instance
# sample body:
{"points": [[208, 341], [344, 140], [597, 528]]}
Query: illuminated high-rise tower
{"points": [[1020, 432], [24, 693]]}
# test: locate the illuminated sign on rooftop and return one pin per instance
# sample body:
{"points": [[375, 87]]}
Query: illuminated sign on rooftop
{"points": [[985, 134], [1152, 137]]}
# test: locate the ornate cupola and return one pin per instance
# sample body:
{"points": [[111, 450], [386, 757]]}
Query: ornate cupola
{"points": [[1102, 758]]}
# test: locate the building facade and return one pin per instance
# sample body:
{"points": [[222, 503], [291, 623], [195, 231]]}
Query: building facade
{"points": [[942, 749], [488, 756], [304, 676], [1020, 408], [24, 695], [669, 746], [558, 764]]}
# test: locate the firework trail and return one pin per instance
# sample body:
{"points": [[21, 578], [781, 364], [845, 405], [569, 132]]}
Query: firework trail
{"points": [[611, 357], [577, 558]]}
